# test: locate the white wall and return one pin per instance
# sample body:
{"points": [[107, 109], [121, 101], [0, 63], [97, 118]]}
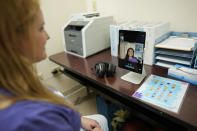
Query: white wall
{"points": [[56, 14], [180, 13]]}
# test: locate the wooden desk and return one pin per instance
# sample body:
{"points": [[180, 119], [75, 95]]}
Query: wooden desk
{"points": [[120, 90]]}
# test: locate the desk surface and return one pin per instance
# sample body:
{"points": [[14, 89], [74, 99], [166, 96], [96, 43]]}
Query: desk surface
{"points": [[122, 90]]}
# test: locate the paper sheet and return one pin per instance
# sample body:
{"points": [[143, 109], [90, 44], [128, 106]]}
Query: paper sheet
{"points": [[162, 92], [177, 43]]}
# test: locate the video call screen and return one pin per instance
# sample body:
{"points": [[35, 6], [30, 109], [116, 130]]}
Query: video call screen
{"points": [[131, 50]]}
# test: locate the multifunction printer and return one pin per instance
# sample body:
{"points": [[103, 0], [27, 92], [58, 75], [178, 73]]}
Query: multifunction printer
{"points": [[86, 34]]}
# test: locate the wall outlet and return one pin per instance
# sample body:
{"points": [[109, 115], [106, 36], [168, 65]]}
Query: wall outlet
{"points": [[40, 75], [56, 70]]}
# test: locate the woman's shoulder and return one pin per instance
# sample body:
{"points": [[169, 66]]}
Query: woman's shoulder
{"points": [[33, 115], [40, 106], [35, 107]]}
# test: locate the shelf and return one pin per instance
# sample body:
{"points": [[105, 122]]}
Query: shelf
{"points": [[195, 64], [177, 43], [174, 59], [185, 54], [165, 64], [173, 48]]}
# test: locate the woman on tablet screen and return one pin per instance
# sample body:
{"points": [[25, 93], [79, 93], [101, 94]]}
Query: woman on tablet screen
{"points": [[130, 56]]}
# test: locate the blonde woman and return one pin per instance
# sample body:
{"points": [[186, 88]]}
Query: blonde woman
{"points": [[25, 104]]}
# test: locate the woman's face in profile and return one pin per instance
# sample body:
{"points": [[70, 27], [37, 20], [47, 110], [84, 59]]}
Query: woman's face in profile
{"points": [[34, 49], [130, 52]]}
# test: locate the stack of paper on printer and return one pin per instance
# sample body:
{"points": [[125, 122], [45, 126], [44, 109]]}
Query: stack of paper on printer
{"points": [[177, 43]]}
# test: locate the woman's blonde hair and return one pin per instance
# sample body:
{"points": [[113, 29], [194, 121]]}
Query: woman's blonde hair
{"points": [[16, 71]]}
